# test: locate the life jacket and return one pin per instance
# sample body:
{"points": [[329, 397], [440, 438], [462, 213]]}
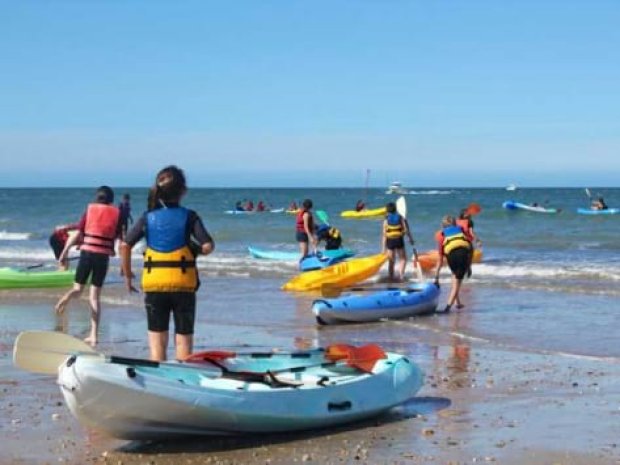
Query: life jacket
{"points": [[333, 239], [394, 228], [169, 263], [299, 223], [464, 223], [454, 238], [100, 228]]}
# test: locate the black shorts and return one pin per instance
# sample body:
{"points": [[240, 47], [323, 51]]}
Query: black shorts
{"points": [[459, 261], [93, 265], [57, 245], [301, 237], [159, 305], [395, 243]]}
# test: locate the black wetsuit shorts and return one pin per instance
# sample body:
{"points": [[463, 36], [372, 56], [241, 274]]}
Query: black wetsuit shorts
{"points": [[459, 261], [93, 265], [159, 305]]}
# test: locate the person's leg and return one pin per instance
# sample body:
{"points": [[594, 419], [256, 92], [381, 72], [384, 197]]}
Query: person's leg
{"points": [[402, 264], [61, 305], [157, 305], [454, 292], [390, 256], [95, 313], [184, 312]]}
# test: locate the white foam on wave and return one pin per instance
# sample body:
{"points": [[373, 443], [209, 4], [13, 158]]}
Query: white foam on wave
{"points": [[14, 236], [535, 270], [432, 192]]}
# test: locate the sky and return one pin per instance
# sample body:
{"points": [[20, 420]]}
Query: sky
{"points": [[304, 93]]}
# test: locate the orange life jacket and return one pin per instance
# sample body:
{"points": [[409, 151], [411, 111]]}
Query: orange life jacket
{"points": [[100, 228]]}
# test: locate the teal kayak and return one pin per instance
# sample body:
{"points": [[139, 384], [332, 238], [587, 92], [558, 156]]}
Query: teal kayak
{"points": [[235, 393], [607, 211], [11, 278], [294, 256]]}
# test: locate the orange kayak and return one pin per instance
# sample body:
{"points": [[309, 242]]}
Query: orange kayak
{"points": [[428, 260]]}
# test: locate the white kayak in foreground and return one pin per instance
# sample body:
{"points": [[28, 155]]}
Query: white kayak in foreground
{"points": [[137, 399]]}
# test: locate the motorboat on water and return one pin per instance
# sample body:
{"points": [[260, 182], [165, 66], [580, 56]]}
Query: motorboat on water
{"points": [[396, 188]]}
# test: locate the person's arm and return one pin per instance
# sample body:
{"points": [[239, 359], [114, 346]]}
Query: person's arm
{"points": [[73, 240], [383, 236], [200, 234], [440, 259], [310, 233], [132, 237]]}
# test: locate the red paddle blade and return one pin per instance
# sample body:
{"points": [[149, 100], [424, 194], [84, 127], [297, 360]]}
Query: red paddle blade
{"points": [[208, 355], [363, 358], [474, 209]]}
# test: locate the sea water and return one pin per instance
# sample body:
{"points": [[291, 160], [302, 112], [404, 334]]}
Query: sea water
{"points": [[547, 283]]}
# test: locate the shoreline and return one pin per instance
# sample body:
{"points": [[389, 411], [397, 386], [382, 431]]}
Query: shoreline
{"points": [[478, 405]]}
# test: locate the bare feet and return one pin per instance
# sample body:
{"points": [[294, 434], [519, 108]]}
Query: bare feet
{"points": [[60, 307], [92, 340], [459, 305]]}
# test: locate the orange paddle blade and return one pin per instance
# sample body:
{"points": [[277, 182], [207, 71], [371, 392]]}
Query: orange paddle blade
{"points": [[474, 209], [363, 358], [210, 355]]}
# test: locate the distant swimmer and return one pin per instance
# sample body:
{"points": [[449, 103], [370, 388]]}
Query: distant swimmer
{"points": [[260, 206], [453, 244]]}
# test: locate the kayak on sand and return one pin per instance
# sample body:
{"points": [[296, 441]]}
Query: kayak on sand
{"points": [[220, 392], [415, 299]]}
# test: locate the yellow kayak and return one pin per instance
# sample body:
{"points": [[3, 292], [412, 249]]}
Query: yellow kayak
{"points": [[372, 213], [340, 275]]}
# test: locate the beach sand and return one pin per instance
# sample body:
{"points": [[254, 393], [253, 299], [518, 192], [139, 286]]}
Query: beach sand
{"points": [[479, 404]]}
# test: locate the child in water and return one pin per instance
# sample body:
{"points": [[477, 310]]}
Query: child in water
{"points": [[98, 230], [174, 235]]}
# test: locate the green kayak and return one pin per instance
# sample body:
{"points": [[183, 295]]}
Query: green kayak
{"points": [[10, 278]]}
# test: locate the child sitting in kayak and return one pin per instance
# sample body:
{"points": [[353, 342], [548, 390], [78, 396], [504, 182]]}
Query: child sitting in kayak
{"points": [[599, 204]]}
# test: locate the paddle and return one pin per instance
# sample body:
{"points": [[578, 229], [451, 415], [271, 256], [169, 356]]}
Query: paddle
{"points": [[322, 216], [473, 209], [401, 208], [588, 193], [44, 351]]}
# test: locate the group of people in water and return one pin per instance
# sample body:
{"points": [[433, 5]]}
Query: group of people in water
{"points": [[455, 243], [248, 206]]}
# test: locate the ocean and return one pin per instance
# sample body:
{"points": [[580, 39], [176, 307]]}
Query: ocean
{"points": [[548, 283]]}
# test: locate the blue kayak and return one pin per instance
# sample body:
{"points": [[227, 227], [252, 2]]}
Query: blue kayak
{"points": [[294, 256], [319, 260], [413, 300], [512, 205], [608, 211]]}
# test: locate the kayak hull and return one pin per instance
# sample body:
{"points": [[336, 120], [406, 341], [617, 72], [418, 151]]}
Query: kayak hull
{"points": [[417, 299], [340, 275], [428, 260], [609, 211], [511, 205], [15, 279], [319, 261], [130, 401], [371, 213]]}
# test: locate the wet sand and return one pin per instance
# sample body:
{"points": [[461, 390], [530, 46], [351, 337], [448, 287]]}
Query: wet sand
{"points": [[479, 404]]}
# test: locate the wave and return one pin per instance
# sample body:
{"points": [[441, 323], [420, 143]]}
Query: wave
{"points": [[432, 192], [14, 236], [536, 270]]}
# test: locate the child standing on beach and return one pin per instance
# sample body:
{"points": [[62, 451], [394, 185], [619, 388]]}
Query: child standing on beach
{"points": [[395, 228], [174, 235], [304, 228], [98, 230]]}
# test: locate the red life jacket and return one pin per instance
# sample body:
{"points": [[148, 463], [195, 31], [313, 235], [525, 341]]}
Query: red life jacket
{"points": [[299, 224], [464, 224], [100, 228]]}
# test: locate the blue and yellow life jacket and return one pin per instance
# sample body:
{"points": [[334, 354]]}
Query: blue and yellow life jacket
{"points": [[454, 238], [394, 228], [169, 263]]}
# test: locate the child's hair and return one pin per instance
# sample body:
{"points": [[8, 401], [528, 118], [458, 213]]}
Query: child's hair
{"points": [[448, 221], [169, 187], [307, 204], [104, 194], [464, 213], [390, 207]]}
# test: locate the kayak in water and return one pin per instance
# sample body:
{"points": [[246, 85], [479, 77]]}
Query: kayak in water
{"points": [[607, 211], [11, 278], [290, 256], [512, 205]]}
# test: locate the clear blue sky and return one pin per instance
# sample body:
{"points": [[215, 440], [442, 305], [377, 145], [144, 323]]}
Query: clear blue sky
{"points": [[310, 93]]}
